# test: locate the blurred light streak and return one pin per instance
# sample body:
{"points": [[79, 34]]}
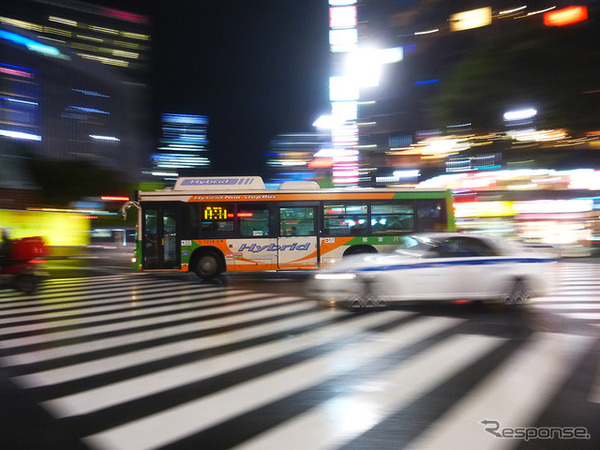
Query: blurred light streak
{"points": [[520, 114], [343, 88], [104, 60], [31, 44], [20, 135], [427, 81], [21, 24], [364, 68], [510, 11], [57, 31], [566, 16], [125, 15], [138, 36], [407, 173], [124, 54], [14, 100], [324, 122], [343, 40], [114, 198], [335, 152], [71, 23], [89, 38], [541, 11], [474, 18], [554, 206], [342, 2], [419, 33], [342, 17], [103, 29], [521, 187], [91, 93], [15, 73], [164, 174], [73, 211]]}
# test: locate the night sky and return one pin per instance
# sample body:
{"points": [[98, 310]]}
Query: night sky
{"points": [[257, 68]]}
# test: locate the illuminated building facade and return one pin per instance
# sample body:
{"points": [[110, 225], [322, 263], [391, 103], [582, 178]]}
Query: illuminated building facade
{"points": [[184, 146], [74, 83], [391, 58]]}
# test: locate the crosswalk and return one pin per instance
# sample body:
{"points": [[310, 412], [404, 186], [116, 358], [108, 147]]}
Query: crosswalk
{"points": [[138, 362], [577, 294]]}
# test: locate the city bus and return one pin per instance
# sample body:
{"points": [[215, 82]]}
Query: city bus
{"points": [[210, 225]]}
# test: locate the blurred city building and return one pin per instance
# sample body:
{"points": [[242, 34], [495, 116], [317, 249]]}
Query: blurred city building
{"points": [[74, 83], [184, 147], [295, 157], [74, 95]]}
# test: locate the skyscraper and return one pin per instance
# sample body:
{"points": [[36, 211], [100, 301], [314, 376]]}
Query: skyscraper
{"points": [[75, 82], [184, 146]]}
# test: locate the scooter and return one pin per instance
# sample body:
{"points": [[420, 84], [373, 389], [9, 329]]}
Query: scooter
{"points": [[23, 270]]}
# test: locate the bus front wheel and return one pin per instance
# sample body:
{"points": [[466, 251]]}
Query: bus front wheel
{"points": [[207, 266]]}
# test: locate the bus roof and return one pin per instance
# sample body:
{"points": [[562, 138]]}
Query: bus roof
{"points": [[240, 188], [219, 183]]}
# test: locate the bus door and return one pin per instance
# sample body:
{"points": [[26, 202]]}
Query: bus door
{"points": [[160, 246], [297, 243]]}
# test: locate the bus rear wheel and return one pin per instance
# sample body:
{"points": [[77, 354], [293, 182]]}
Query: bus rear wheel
{"points": [[207, 266]]}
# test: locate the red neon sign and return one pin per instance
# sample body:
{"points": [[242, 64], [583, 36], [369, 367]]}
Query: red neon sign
{"points": [[114, 198], [17, 73], [125, 15], [566, 16]]}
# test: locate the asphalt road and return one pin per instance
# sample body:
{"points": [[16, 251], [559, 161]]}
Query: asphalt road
{"points": [[287, 374]]}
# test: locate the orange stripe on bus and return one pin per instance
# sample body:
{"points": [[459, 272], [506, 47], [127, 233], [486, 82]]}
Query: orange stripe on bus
{"points": [[327, 247], [291, 197]]}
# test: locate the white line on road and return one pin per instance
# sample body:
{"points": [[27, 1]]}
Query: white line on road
{"points": [[176, 423], [514, 395]]}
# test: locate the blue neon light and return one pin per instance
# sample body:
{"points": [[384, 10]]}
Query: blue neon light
{"points": [[427, 81], [29, 43]]}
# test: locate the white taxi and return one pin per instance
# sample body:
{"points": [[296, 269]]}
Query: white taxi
{"points": [[438, 267]]}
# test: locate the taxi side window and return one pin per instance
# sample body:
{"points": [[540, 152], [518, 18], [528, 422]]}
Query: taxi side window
{"points": [[466, 246], [462, 247]]}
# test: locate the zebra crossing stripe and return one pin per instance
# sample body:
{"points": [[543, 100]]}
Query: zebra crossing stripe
{"points": [[135, 310], [514, 395], [133, 359], [57, 349], [153, 431], [82, 303], [582, 316], [595, 394], [47, 288], [566, 306], [344, 417], [85, 294], [116, 393]]}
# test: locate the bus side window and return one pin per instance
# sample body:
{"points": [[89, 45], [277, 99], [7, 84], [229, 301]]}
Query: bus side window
{"points": [[431, 215], [191, 221], [253, 220], [342, 219], [298, 221], [392, 218]]}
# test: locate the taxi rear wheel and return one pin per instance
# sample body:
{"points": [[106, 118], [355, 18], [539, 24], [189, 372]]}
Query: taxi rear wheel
{"points": [[366, 302], [518, 294]]}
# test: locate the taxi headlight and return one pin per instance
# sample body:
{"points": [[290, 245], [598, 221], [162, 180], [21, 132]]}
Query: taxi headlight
{"points": [[335, 276]]}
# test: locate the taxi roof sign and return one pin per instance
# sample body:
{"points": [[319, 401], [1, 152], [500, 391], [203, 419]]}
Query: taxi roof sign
{"points": [[219, 183]]}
